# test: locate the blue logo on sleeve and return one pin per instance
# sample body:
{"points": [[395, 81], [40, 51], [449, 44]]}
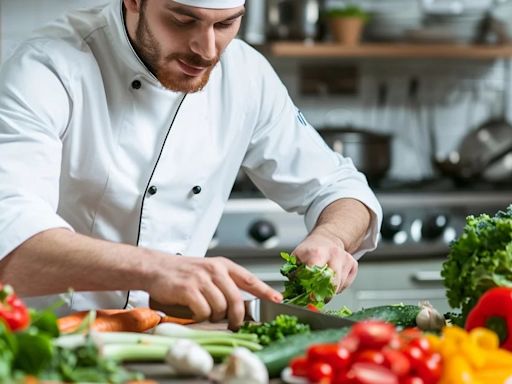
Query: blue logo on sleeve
{"points": [[301, 118]]}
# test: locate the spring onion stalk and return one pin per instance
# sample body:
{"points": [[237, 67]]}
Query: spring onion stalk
{"points": [[153, 352], [134, 352], [180, 331], [131, 338], [229, 342]]}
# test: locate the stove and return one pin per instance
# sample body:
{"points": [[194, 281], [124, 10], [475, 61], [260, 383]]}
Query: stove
{"points": [[420, 219]]}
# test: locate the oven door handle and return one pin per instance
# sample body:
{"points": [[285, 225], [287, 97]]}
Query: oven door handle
{"points": [[427, 277]]}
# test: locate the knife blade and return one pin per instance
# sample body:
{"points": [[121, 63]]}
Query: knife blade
{"points": [[261, 310]]}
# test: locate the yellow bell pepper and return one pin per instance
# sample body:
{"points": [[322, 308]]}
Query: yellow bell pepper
{"points": [[485, 338], [458, 371], [493, 376]]}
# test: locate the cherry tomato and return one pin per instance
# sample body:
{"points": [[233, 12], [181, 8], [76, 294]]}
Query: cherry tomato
{"points": [[336, 355], [320, 373], [300, 366], [396, 361], [365, 373], [373, 334], [412, 380], [311, 307], [414, 354], [370, 356], [396, 342], [430, 368], [350, 342], [409, 334], [422, 343]]}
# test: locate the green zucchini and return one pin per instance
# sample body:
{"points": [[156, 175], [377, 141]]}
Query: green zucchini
{"points": [[278, 354], [401, 315]]}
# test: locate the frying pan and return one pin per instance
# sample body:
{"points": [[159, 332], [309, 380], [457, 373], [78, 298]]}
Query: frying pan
{"points": [[483, 153]]}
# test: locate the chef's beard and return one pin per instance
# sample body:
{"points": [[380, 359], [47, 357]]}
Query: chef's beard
{"points": [[149, 50]]}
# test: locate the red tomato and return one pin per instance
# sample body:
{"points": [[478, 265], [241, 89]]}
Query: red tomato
{"points": [[412, 380], [350, 342], [373, 334], [414, 354], [300, 366], [409, 334], [396, 342], [311, 307], [370, 356], [396, 361], [422, 343], [430, 368], [336, 355], [320, 373], [365, 373]]}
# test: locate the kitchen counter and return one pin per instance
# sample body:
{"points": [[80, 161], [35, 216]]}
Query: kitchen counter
{"points": [[162, 374]]}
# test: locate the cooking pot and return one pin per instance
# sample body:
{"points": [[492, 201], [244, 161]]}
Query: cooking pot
{"points": [[370, 151], [485, 153], [294, 19]]}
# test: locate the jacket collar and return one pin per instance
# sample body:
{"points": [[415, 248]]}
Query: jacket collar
{"points": [[121, 42]]}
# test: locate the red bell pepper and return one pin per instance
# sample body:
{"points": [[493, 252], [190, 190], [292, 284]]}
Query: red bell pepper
{"points": [[496, 302], [12, 310]]}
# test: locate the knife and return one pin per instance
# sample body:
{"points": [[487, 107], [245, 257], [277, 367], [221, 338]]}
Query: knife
{"points": [[261, 310]]}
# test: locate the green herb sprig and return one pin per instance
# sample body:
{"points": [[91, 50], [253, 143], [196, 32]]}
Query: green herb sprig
{"points": [[306, 284], [279, 328]]}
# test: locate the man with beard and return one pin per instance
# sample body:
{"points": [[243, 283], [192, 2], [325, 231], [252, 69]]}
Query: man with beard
{"points": [[122, 129]]}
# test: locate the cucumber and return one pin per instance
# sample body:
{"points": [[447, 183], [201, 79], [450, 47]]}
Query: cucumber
{"points": [[278, 354], [401, 315]]}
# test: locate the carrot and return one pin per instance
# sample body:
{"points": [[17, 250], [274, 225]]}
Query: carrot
{"points": [[176, 320], [70, 323], [113, 320], [133, 320]]}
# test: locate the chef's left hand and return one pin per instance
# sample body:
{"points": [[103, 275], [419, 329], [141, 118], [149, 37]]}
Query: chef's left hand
{"points": [[322, 247]]}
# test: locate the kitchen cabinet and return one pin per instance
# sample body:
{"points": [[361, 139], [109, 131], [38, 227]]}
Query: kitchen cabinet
{"points": [[389, 50]]}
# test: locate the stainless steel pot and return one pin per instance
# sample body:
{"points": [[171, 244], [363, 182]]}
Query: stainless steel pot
{"points": [[370, 151], [293, 19]]}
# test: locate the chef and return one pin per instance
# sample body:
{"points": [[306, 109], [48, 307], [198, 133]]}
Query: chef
{"points": [[122, 129]]}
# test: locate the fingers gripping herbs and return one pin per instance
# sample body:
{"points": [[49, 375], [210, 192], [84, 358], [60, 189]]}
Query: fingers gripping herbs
{"points": [[306, 285]]}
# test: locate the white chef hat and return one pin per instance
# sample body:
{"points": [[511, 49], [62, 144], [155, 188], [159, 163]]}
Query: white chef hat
{"points": [[216, 4]]}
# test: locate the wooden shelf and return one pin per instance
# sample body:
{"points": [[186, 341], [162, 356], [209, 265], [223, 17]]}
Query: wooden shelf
{"points": [[388, 50]]}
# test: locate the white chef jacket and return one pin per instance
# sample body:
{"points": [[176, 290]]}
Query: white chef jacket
{"points": [[91, 141]]}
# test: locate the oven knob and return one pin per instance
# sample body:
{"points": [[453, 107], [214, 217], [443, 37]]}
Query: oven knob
{"points": [[262, 230], [391, 225], [434, 227]]}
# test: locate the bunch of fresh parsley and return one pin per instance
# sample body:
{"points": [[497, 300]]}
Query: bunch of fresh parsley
{"points": [[306, 285], [277, 329]]}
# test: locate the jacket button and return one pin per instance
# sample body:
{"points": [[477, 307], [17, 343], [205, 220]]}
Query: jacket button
{"points": [[136, 84], [196, 190], [152, 190]]}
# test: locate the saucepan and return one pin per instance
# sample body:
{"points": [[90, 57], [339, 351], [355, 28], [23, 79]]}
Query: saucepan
{"points": [[485, 153], [370, 151]]}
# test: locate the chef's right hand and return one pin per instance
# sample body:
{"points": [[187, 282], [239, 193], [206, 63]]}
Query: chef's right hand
{"points": [[210, 287]]}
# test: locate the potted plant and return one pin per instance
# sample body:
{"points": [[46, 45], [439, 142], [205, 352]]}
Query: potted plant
{"points": [[347, 24]]}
